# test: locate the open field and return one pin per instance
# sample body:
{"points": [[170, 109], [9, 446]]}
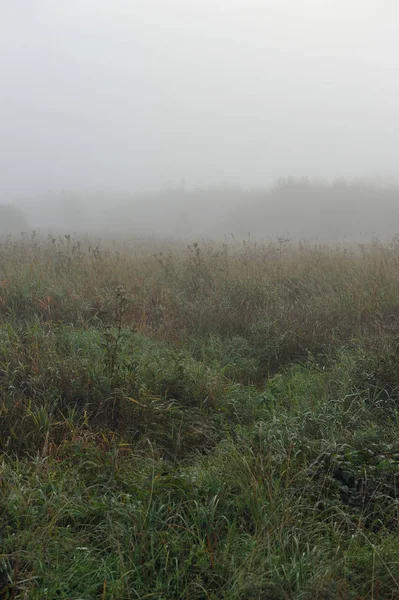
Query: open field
{"points": [[206, 422]]}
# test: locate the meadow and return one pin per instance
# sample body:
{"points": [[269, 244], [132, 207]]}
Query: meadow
{"points": [[203, 422]]}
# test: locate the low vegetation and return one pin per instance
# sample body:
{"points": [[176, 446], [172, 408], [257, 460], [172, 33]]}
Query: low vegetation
{"points": [[203, 422]]}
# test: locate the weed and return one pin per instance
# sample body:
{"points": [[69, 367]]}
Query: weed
{"points": [[113, 333]]}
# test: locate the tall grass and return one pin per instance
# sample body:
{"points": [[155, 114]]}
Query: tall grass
{"points": [[198, 422]]}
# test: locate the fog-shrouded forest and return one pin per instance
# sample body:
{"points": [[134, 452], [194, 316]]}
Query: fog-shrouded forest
{"points": [[350, 210]]}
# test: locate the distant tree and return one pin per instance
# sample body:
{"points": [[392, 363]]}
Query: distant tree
{"points": [[12, 219]]}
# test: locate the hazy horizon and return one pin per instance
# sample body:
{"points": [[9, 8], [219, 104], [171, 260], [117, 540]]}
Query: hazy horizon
{"points": [[351, 210]]}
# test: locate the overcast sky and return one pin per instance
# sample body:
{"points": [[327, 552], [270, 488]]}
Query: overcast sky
{"points": [[137, 94]]}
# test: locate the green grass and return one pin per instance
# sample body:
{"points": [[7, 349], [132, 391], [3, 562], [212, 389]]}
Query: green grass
{"points": [[215, 423]]}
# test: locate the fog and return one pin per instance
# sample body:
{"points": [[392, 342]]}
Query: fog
{"points": [[181, 115]]}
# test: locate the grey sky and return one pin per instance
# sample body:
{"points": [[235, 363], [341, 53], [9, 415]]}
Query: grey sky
{"points": [[141, 93]]}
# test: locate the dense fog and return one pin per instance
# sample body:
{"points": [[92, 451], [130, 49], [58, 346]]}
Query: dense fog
{"points": [[196, 118], [294, 209]]}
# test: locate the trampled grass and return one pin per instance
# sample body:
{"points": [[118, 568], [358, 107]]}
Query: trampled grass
{"points": [[211, 422]]}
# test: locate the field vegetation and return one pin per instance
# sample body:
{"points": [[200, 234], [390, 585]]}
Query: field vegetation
{"points": [[205, 422]]}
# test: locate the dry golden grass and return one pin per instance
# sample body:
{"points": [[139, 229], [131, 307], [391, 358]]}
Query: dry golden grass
{"points": [[300, 297]]}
